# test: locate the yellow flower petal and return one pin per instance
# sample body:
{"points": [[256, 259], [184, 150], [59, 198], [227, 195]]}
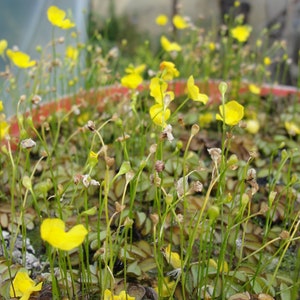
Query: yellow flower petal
{"points": [[22, 285], [254, 89], [159, 114], [1, 105], [3, 46], [131, 81], [252, 126], [57, 16], [193, 91], [241, 33], [20, 59], [292, 128], [172, 258], [4, 127], [53, 232], [169, 70], [161, 20], [234, 113], [169, 46], [179, 22], [72, 53], [157, 89]]}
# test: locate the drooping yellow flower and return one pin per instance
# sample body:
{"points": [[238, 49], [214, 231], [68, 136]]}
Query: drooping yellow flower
{"points": [[194, 93], [23, 286], [122, 296], [57, 17], [169, 46], [53, 232], [158, 88], [167, 288], [254, 89], [159, 114], [241, 33], [292, 128], [161, 20], [3, 46], [72, 53], [232, 114], [169, 70], [179, 22], [172, 258], [20, 59]]}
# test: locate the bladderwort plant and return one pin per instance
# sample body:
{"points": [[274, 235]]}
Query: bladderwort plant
{"points": [[167, 189]]}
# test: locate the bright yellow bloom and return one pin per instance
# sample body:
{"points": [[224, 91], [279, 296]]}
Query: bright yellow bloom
{"points": [[159, 114], [122, 296], [53, 232], [172, 258], [233, 113], [292, 128], [23, 286], [72, 53], [169, 46], [169, 70], [252, 126], [205, 119], [254, 89], [241, 32], [133, 78], [158, 88], [57, 18], [20, 59], [136, 70], [161, 20], [193, 91], [267, 61], [4, 127], [3, 46], [167, 288], [131, 81], [179, 22]]}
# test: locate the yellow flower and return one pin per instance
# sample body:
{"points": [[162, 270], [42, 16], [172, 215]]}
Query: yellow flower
{"points": [[169, 46], [159, 114], [169, 70], [158, 88], [267, 61], [193, 91], [93, 158], [179, 22], [205, 119], [254, 89], [4, 127], [161, 20], [241, 32], [222, 268], [122, 296], [233, 113], [131, 81], [252, 126], [133, 78], [57, 18], [167, 288], [72, 53], [23, 286], [1, 105], [292, 128], [53, 232], [20, 59], [172, 258], [3, 46]]}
